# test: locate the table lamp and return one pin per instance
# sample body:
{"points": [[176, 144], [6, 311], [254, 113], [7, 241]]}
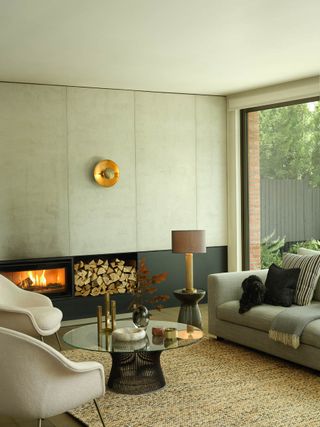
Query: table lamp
{"points": [[188, 242]]}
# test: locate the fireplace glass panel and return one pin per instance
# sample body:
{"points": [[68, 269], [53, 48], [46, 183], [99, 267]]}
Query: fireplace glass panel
{"points": [[51, 276], [52, 280]]}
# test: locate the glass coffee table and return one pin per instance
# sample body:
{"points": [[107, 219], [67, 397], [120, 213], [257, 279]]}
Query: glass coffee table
{"points": [[136, 367]]}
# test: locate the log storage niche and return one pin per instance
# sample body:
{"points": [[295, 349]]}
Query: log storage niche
{"points": [[98, 276]]}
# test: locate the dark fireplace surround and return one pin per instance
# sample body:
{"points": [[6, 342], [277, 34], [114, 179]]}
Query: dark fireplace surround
{"points": [[55, 278], [77, 307]]}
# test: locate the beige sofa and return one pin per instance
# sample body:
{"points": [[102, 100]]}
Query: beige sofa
{"points": [[251, 328]]}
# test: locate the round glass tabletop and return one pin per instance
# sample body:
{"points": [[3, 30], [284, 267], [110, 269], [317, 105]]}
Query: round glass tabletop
{"points": [[87, 338]]}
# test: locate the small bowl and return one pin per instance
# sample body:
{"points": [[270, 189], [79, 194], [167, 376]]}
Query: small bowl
{"points": [[129, 334]]}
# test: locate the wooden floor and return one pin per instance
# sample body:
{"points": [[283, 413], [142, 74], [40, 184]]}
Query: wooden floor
{"points": [[65, 420]]}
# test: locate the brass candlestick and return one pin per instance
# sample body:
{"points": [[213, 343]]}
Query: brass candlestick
{"points": [[107, 313], [113, 315], [99, 323], [99, 318]]}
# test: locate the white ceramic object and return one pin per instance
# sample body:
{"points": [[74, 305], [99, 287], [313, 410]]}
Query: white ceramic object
{"points": [[129, 334]]}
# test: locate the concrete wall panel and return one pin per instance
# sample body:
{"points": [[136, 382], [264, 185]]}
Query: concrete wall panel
{"points": [[170, 149], [101, 126], [33, 171], [211, 168], [166, 178]]}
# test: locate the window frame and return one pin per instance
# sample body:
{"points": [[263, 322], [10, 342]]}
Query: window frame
{"points": [[244, 161]]}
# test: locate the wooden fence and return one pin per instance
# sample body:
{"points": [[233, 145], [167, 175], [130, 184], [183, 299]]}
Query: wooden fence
{"points": [[290, 208]]}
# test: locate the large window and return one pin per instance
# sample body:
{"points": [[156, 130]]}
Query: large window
{"points": [[281, 179]]}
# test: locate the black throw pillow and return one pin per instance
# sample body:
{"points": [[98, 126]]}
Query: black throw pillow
{"points": [[281, 285], [253, 293]]}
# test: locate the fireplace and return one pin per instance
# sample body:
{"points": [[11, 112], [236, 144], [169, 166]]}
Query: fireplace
{"points": [[52, 276], [77, 284]]}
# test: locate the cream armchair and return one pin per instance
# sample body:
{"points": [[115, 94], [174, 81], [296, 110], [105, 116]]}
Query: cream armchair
{"points": [[27, 312], [38, 382]]}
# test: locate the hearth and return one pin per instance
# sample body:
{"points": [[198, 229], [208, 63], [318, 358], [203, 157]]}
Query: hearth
{"points": [[52, 276]]}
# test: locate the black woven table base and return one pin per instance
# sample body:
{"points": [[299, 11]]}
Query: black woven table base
{"points": [[136, 373]]}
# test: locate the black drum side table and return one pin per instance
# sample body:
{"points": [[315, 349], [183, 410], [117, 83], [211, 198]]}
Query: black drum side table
{"points": [[189, 311]]}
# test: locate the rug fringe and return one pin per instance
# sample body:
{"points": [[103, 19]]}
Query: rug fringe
{"points": [[287, 339]]}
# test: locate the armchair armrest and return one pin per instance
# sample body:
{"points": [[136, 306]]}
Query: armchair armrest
{"points": [[20, 318]]}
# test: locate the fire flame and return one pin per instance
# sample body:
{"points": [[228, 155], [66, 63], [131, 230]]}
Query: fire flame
{"points": [[38, 280]]}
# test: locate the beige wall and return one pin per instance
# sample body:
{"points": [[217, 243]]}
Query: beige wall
{"points": [[171, 150]]}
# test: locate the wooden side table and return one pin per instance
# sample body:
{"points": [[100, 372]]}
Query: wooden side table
{"points": [[189, 311]]}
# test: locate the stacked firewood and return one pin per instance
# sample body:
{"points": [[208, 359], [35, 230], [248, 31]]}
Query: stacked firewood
{"points": [[98, 277]]}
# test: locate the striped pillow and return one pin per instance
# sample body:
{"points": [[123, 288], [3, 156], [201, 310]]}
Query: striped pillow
{"points": [[308, 277]]}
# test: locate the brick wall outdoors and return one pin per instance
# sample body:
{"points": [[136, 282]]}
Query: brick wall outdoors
{"points": [[254, 190]]}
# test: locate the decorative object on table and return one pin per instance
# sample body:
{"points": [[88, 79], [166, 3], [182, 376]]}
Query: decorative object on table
{"points": [[108, 320], [157, 340], [140, 316], [99, 324], [129, 346], [99, 318], [188, 242], [170, 333], [189, 311], [129, 334], [146, 285], [158, 332], [113, 315], [106, 173], [170, 338]]}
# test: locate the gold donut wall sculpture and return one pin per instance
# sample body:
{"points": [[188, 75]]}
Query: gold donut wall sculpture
{"points": [[106, 173]]}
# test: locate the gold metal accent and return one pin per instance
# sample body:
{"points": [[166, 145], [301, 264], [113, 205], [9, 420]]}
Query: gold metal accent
{"points": [[170, 333], [106, 173], [108, 325], [113, 315], [99, 323]]}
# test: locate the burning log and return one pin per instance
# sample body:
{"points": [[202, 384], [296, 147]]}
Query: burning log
{"points": [[98, 277]]}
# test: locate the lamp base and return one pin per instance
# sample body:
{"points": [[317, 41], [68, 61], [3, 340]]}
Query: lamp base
{"points": [[190, 291], [189, 311]]}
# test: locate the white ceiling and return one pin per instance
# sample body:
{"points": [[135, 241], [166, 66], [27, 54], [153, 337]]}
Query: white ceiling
{"points": [[187, 46]]}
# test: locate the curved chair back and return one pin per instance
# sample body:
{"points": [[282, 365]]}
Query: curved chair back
{"points": [[11, 294], [39, 382]]}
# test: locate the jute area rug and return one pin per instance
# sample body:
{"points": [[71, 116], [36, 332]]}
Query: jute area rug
{"points": [[213, 383]]}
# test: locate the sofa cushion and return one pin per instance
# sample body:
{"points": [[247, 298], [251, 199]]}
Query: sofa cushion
{"points": [[260, 318], [310, 252], [281, 285], [311, 334], [308, 278]]}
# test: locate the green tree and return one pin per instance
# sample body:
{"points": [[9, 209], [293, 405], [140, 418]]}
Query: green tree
{"points": [[289, 142], [315, 158]]}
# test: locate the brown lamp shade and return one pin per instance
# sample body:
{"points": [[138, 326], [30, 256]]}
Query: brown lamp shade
{"points": [[188, 241]]}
